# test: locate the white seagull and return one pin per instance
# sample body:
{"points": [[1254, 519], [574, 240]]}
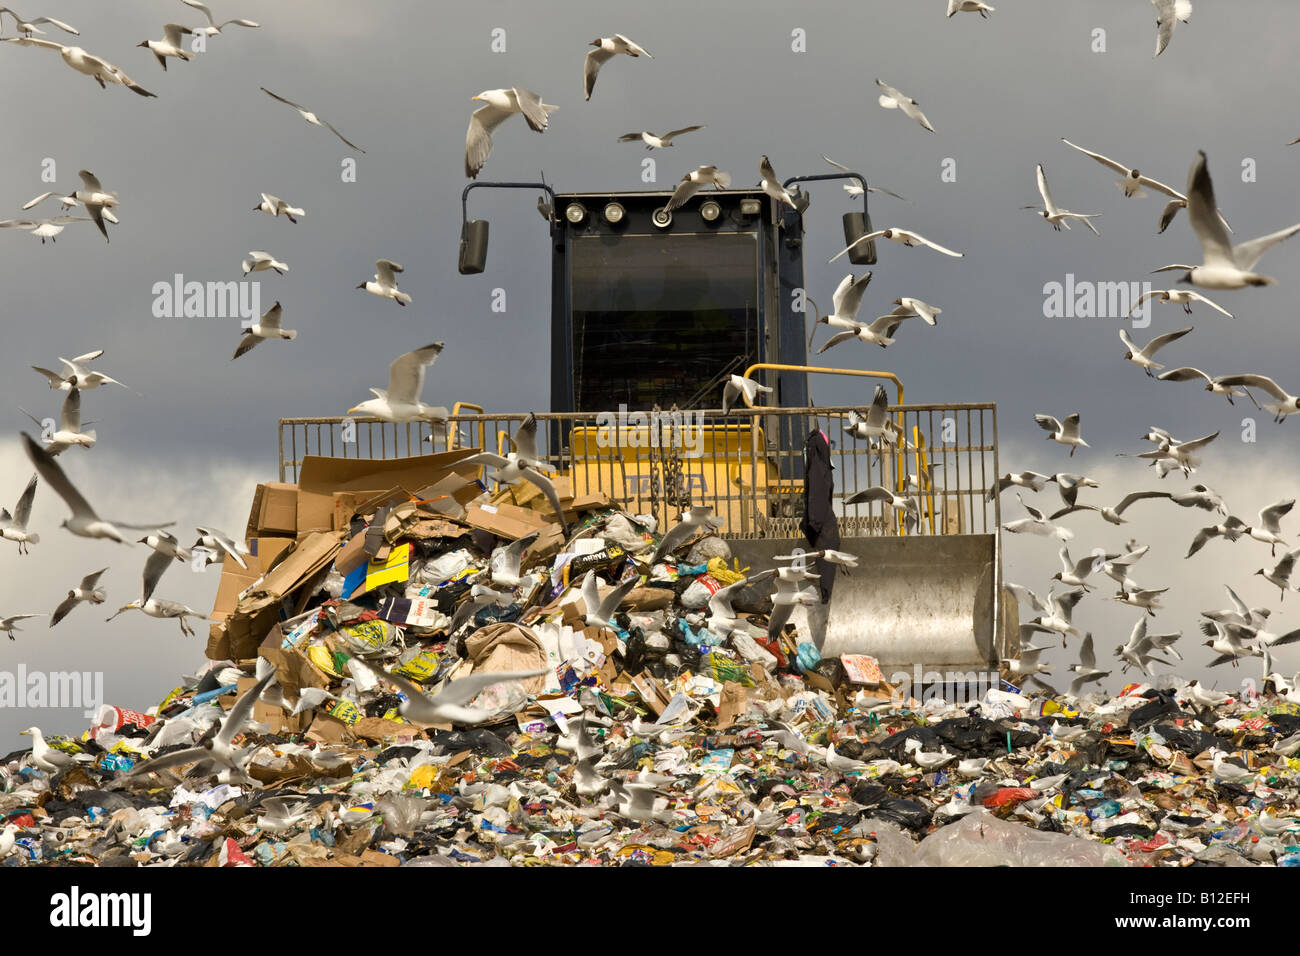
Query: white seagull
{"points": [[69, 432], [738, 385], [14, 527], [43, 229], [876, 426], [1183, 297], [855, 190], [1036, 523], [1086, 669], [771, 185], [606, 48], [448, 704], [1285, 404], [879, 332], [1186, 373], [600, 611], [1025, 479], [312, 118], [93, 196], [400, 402], [499, 106], [969, 6], [1168, 14], [1269, 529], [76, 375], [213, 27], [696, 518], [170, 45], [267, 327], [892, 99], [657, 141], [8, 624], [1054, 214], [99, 69], [1065, 434], [274, 206], [908, 506], [694, 181], [258, 261], [87, 590], [523, 464], [1224, 266], [903, 237], [83, 522], [28, 27], [1280, 575], [384, 282]]}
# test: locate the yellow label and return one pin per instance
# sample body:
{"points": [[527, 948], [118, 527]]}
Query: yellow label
{"points": [[419, 668], [368, 632], [423, 777], [396, 568], [345, 711], [319, 655]]}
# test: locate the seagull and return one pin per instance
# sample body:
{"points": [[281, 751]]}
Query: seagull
{"points": [[76, 375], [1075, 573], [879, 332], [282, 813], [384, 283], [1069, 484], [738, 385], [93, 196], [1168, 13], [1026, 663], [218, 748], [1269, 529], [309, 698], [45, 757], [1116, 568], [523, 464], [771, 185], [268, 327], [43, 228], [1286, 403], [696, 518], [312, 118], [1280, 575], [1185, 373], [261, 261], [694, 181], [1086, 669], [877, 426], [170, 45], [95, 67], [1202, 696], [1200, 496], [69, 432], [84, 522], [504, 568], [908, 506], [1025, 479], [480, 596], [1238, 614], [1065, 434], [165, 549], [969, 6], [14, 527], [855, 190], [902, 237], [1132, 182], [1225, 769], [8, 838], [499, 106], [906, 305], [1180, 452], [28, 27], [213, 27], [8, 624], [600, 613], [1224, 267], [1059, 607], [448, 705], [586, 778], [87, 590], [1230, 529], [1148, 599], [1287, 747], [657, 141], [927, 760], [1036, 523], [156, 607], [1183, 297], [1144, 357], [1056, 216], [841, 558], [845, 303], [892, 99], [606, 48], [274, 206], [788, 592], [401, 401], [1137, 651]]}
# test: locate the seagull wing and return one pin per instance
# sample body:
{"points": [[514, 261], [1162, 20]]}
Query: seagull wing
{"points": [[590, 67], [34, 41], [478, 138], [1138, 496], [916, 237], [1249, 253], [1216, 247], [543, 484], [406, 373], [463, 690], [70, 413], [1197, 443], [836, 339], [848, 294], [1196, 296], [869, 236], [90, 580], [330, 127], [614, 598], [674, 132], [1255, 381], [1104, 160], [1184, 373], [524, 440], [65, 607], [203, 9], [684, 191], [1160, 341], [1043, 191], [23, 510], [1047, 423], [1165, 21], [242, 710], [275, 96], [248, 342], [1270, 516], [386, 270], [49, 470], [530, 104]]}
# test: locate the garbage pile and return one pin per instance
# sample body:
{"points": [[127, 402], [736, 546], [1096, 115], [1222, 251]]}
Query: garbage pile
{"points": [[588, 712]]}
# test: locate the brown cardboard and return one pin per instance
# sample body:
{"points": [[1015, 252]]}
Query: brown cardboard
{"points": [[274, 511], [353, 554], [234, 579], [505, 521], [650, 693]]}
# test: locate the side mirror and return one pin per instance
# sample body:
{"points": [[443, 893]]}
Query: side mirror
{"points": [[474, 244], [857, 225]]}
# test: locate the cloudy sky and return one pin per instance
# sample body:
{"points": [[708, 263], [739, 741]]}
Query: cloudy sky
{"points": [[196, 432]]}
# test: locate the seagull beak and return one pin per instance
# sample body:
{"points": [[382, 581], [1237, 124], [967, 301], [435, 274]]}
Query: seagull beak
{"points": [[476, 97], [356, 408], [24, 733]]}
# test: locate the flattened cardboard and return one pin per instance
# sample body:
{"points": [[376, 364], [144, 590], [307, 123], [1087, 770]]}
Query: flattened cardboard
{"points": [[321, 478], [505, 521], [274, 511]]}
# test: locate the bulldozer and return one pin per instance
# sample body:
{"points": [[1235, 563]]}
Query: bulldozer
{"points": [[652, 311]]}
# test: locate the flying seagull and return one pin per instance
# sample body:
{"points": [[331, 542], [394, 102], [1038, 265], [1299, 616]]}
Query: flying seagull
{"points": [[384, 282], [892, 99], [738, 385], [217, 541], [83, 522], [903, 237], [401, 401], [28, 27], [275, 206], [69, 432], [1168, 14], [87, 590], [694, 181], [855, 190], [969, 6], [523, 464], [772, 186], [1065, 434], [448, 705], [170, 45], [76, 375], [600, 612], [267, 327], [1224, 266], [606, 49], [261, 261], [1144, 357], [93, 196], [1183, 297], [1285, 404], [657, 141], [697, 518], [1186, 373], [312, 118], [1059, 218], [97, 68], [499, 106], [14, 527], [213, 27], [43, 229]]}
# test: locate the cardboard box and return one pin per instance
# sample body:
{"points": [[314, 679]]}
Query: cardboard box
{"points": [[234, 579], [356, 480], [507, 521], [274, 511]]}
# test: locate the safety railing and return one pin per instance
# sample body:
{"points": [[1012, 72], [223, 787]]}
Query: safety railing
{"points": [[748, 465]]}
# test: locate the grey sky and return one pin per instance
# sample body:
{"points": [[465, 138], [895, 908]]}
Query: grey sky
{"points": [[397, 77]]}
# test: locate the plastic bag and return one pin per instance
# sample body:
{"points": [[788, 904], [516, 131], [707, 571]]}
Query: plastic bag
{"points": [[981, 839]]}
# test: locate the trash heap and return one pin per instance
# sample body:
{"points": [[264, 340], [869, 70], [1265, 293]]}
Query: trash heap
{"points": [[638, 743]]}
